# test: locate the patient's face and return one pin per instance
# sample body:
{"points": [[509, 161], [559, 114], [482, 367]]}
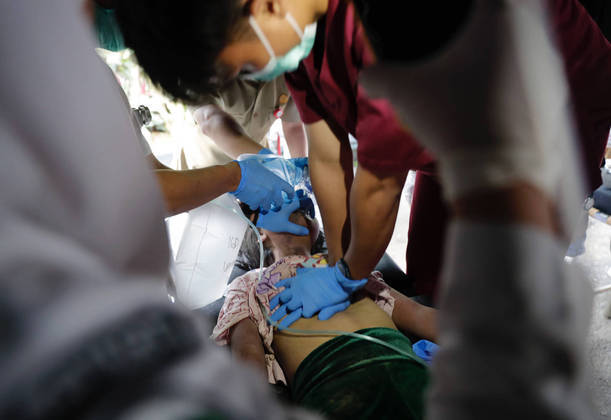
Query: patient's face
{"points": [[289, 243]]}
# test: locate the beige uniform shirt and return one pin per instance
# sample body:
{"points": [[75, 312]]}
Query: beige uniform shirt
{"points": [[255, 107]]}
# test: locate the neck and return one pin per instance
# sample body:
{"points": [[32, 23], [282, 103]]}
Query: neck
{"points": [[320, 8], [309, 11], [290, 251]]}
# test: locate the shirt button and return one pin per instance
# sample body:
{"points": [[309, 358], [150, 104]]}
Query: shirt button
{"points": [[283, 99]]}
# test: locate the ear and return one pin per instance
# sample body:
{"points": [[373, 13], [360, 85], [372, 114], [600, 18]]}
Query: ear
{"points": [[263, 234], [259, 8], [267, 239]]}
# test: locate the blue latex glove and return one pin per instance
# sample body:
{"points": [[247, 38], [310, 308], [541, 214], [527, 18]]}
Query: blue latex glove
{"points": [[300, 162], [313, 290], [259, 187], [278, 220], [425, 349], [306, 203]]}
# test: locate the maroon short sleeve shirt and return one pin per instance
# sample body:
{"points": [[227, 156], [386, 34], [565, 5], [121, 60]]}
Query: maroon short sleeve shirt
{"points": [[325, 87]]}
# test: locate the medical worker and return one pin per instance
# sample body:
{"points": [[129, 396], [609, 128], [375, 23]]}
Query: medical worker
{"points": [[184, 190], [87, 329], [321, 48]]}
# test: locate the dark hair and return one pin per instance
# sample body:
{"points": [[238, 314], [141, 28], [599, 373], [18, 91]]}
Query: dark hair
{"points": [[249, 255], [177, 43]]}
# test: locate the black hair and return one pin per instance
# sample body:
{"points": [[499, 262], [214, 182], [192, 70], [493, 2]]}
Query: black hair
{"points": [[249, 254], [420, 32], [177, 43]]}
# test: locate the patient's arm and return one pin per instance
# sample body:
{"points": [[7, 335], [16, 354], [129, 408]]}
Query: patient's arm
{"points": [[246, 344], [410, 316]]}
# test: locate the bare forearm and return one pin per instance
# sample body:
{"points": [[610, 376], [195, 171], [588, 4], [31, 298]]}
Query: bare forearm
{"points": [[374, 202], [329, 185], [411, 317], [246, 345], [185, 190], [331, 174]]}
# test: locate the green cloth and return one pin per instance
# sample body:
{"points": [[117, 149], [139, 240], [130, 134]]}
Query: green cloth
{"points": [[353, 378]]}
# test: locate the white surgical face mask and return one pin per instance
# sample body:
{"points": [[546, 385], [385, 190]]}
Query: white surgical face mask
{"points": [[289, 61]]}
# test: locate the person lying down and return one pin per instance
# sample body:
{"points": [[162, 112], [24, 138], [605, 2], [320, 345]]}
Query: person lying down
{"points": [[338, 376]]}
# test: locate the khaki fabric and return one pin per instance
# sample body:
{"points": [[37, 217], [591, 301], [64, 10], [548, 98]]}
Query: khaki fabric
{"points": [[253, 105]]}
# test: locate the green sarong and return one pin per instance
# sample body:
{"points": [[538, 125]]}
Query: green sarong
{"points": [[352, 378]]}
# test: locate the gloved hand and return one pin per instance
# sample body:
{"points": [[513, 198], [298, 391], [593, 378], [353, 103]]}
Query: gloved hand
{"points": [[300, 162], [265, 151], [492, 105], [306, 203], [277, 220], [312, 290], [259, 187]]}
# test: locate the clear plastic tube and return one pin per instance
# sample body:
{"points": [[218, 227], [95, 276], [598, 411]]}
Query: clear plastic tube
{"points": [[313, 332]]}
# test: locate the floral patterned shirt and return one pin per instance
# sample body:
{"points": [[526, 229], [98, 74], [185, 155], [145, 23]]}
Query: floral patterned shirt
{"points": [[246, 295]]}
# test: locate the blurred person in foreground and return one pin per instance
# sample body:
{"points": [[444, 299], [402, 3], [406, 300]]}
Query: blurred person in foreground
{"points": [[87, 328], [513, 316]]}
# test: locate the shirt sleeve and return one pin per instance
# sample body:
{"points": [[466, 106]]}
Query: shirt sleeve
{"points": [[299, 84], [235, 308], [241, 303], [384, 145]]}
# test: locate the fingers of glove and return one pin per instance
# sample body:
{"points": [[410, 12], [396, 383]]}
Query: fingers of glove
{"points": [[295, 303], [300, 162], [292, 205], [254, 205], [288, 282], [290, 319], [282, 297], [265, 204], [275, 301], [287, 188], [265, 151], [350, 286], [245, 197], [296, 229], [277, 198], [253, 200], [329, 311], [279, 314]]}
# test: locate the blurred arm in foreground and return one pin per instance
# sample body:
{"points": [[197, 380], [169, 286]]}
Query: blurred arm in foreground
{"points": [[491, 103]]}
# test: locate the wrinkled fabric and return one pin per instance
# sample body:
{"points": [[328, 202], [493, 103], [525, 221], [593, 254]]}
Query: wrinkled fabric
{"points": [[86, 327], [244, 294], [513, 320], [348, 378]]}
